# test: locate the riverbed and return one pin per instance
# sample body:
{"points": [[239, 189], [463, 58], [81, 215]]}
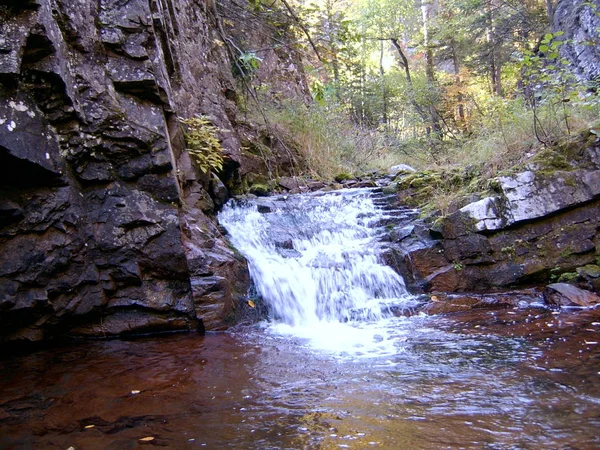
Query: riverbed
{"points": [[497, 379]]}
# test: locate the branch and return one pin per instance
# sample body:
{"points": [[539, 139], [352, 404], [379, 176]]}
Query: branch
{"points": [[302, 27]]}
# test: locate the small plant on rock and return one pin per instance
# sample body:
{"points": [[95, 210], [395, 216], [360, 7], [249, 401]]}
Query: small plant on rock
{"points": [[203, 144]]}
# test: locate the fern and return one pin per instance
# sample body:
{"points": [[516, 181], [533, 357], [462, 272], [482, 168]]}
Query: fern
{"points": [[202, 143]]}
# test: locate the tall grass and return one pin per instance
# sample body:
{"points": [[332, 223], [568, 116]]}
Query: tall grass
{"points": [[505, 133], [328, 141], [509, 132]]}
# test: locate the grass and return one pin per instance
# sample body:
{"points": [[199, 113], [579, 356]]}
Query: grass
{"points": [[328, 141], [505, 136]]}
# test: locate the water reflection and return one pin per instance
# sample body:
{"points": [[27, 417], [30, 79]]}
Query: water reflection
{"points": [[486, 380]]}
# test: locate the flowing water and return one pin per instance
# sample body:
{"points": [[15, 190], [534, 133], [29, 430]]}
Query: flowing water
{"points": [[334, 367]]}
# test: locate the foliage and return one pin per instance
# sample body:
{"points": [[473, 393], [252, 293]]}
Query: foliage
{"points": [[202, 143], [249, 63], [446, 85], [328, 140]]}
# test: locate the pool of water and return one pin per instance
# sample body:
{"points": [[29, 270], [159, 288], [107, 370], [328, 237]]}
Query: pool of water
{"points": [[500, 379]]}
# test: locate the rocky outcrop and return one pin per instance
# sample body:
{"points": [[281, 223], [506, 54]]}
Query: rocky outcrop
{"points": [[537, 225], [579, 20], [104, 221]]}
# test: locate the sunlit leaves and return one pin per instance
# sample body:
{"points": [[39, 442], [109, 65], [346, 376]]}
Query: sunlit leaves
{"points": [[203, 144]]}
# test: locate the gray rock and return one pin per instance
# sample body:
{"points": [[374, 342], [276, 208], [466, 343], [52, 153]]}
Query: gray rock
{"points": [[527, 196], [580, 22], [395, 170]]}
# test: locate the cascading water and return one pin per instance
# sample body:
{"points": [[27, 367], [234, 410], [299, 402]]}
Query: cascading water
{"points": [[315, 261]]}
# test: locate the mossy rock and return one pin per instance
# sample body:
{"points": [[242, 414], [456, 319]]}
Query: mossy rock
{"points": [[256, 178], [343, 176], [256, 148], [419, 179], [261, 190], [589, 271], [390, 189], [549, 160]]}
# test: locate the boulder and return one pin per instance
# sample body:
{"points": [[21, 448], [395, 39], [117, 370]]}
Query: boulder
{"points": [[563, 294], [395, 170], [289, 183]]}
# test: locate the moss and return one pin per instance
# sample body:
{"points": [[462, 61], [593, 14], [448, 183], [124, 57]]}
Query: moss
{"points": [[260, 189], [256, 148], [343, 176], [550, 160], [256, 178], [567, 277], [589, 271], [392, 188]]}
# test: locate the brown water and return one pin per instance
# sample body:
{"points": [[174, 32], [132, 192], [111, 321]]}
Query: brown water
{"points": [[487, 380]]}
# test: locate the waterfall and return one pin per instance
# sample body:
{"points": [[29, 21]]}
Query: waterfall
{"points": [[315, 258]]}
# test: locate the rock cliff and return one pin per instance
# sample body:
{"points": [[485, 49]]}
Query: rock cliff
{"points": [[536, 225], [580, 21], [105, 224]]}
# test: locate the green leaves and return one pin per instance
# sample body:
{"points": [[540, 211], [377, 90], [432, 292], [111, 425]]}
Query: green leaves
{"points": [[202, 143], [249, 62]]}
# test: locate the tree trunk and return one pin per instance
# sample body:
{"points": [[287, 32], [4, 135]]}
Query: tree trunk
{"points": [[411, 89], [495, 62], [384, 115]]}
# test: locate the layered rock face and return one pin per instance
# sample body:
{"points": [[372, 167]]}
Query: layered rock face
{"points": [[580, 21], [538, 225], [103, 225]]}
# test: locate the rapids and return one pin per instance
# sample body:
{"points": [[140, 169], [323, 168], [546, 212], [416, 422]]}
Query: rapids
{"points": [[315, 262]]}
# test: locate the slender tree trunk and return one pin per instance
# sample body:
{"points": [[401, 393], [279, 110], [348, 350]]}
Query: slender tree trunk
{"points": [[384, 116], [411, 89], [550, 12], [332, 38], [460, 107], [427, 11], [495, 62]]}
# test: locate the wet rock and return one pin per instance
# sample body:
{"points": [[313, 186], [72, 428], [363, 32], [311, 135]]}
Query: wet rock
{"points": [[102, 213], [289, 183], [220, 194], [441, 303], [260, 190], [589, 272], [563, 294]]}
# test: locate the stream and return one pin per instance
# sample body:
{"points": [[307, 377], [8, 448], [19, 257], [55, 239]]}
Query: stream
{"points": [[336, 365]]}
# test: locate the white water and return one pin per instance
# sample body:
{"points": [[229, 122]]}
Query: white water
{"points": [[315, 261]]}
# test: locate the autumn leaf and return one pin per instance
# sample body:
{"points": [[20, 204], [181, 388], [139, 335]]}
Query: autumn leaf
{"points": [[147, 439], [251, 304]]}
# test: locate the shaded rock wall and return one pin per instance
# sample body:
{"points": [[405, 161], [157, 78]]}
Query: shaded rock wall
{"points": [[580, 22], [103, 218]]}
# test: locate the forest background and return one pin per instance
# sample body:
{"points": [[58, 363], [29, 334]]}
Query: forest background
{"points": [[473, 87]]}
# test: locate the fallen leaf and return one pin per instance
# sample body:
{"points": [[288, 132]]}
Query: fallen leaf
{"points": [[147, 439], [251, 304], [89, 426], [434, 298], [135, 392]]}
